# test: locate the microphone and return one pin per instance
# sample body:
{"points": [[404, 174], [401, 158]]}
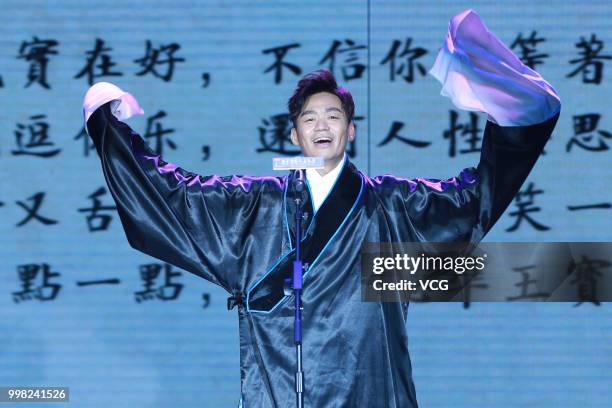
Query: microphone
{"points": [[299, 179], [299, 164], [294, 282]]}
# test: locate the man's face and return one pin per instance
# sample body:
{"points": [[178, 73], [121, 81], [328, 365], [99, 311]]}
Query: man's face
{"points": [[323, 129]]}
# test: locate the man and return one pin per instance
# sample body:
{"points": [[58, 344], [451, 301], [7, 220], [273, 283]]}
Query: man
{"points": [[237, 231]]}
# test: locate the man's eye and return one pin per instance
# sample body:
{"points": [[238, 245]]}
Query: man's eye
{"points": [[308, 119], [334, 117]]}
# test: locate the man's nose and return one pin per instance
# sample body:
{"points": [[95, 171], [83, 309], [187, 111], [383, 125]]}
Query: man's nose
{"points": [[322, 124]]}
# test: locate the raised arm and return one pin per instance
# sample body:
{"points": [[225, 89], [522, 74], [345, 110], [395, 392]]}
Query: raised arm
{"points": [[478, 72], [200, 224]]}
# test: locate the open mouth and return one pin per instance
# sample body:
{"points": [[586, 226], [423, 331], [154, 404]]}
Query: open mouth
{"points": [[323, 141]]}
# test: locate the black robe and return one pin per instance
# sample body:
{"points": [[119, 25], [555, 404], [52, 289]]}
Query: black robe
{"points": [[236, 232]]}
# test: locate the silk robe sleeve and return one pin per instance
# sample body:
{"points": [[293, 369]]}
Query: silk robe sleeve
{"points": [[200, 224], [465, 207], [478, 72]]}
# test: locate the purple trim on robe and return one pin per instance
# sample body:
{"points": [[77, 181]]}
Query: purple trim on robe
{"points": [[244, 182], [466, 178]]}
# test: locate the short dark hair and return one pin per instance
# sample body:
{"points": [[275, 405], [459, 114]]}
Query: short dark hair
{"points": [[319, 81]]}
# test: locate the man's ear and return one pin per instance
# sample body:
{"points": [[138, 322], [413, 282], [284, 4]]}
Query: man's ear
{"points": [[294, 138], [350, 131]]}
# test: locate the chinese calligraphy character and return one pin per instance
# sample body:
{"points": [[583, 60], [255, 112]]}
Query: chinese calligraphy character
{"points": [[591, 65], [27, 274], [113, 281], [38, 138], [37, 54], [598, 206], [407, 68], [87, 143], [475, 278], [275, 135], [584, 126], [149, 273], [468, 131], [587, 271], [102, 68], [527, 50], [156, 130], [279, 53], [351, 68], [205, 152], [351, 147], [524, 200], [205, 80], [156, 57], [394, 134], [206, 299], [32, 212], [524, 286], [95, 221]]}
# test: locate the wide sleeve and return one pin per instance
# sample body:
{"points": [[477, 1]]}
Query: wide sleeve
{"points": [[465, 207], [200, 224], [479, 73]]}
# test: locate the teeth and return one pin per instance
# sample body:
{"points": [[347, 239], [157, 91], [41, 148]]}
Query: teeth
{"points": [[323, 139]]}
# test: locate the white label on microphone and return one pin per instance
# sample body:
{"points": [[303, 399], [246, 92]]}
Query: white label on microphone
{"points": [[297, 163]]}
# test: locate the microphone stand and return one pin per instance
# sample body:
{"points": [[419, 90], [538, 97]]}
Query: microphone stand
{"points": [[297, 289]]}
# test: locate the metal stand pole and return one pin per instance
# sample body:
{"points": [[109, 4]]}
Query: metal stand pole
{"points": [[297, 289]]}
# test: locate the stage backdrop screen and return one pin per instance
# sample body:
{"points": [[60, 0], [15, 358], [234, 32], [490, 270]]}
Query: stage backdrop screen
{"points": [[80, 308]]}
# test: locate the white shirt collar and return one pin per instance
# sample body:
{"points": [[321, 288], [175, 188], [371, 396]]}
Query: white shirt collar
{"points": [[320, 186]]}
